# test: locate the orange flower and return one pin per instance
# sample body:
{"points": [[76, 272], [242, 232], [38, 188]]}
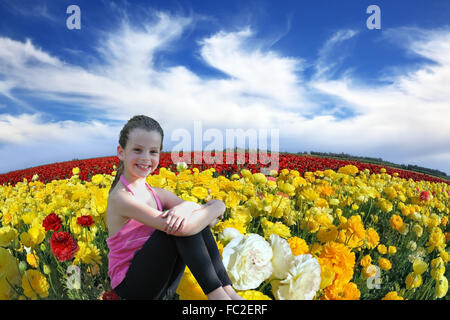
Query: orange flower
{"points": [[393, 295], [342, 260], [366, 260], [384, 264], [396, 222], [348, 291]]}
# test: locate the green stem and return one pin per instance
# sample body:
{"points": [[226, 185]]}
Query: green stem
{"points": [[427, 289]]}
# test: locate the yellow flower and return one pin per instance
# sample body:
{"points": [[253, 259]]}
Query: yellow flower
{"points": [[436, 240], [189, 289], [34, 236], [315, 249], [441, 287], [391, 192], [444, 255], [384, 264], [353, 232], [33, 259], [392, 295], [396, 222], [327, 234], [230, 223], [7, 235], [327, 273], [392, 250], [220, 247], [418, 230], [382, 249], [97, 179], [368, 271], [277, 228], [366, 260], [199, 192], [413, 280], [286, 188], [309, 194], [372, 238], [34, 283], [348, 169], [8, 270], [253, 295], [242, 214], [235, 176], [437, 268], [298, 246], [419, 266], [87, 253], [76, 170], [385, 205], [259, 178], [246, 173]]}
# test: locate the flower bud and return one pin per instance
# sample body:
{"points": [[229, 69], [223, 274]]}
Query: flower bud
{"points": [[22, 266], [181, 166]]}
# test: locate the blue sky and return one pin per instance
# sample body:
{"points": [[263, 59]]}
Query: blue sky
{"points": [[310, 69]]}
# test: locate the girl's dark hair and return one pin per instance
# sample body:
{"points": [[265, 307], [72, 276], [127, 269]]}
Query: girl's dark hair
{"points": [[141, 122]]}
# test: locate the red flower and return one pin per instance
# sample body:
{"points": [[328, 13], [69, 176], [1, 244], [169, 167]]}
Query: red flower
{"points": [[52, 222], [85, 221], [110, 295], [425, 195], [63, 245]]}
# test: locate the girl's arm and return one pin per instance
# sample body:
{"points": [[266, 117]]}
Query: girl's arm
{"points": [[196, 220], [208, 214]]}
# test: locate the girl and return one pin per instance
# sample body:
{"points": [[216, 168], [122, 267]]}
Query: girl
{"points": [[153, 234]]}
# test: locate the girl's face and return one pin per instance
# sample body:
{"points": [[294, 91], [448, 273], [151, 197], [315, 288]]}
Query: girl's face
{"points": [[142, 152]]}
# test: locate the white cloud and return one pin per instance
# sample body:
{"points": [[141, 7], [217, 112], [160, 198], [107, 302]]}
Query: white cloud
{"points": [[408, 119], [327, 58]]}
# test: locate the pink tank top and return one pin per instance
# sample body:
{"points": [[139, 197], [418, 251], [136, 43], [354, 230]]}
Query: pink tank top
{"points": [[130, 238]]}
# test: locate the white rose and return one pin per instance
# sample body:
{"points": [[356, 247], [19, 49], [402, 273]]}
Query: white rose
{"points": [[302, 282], [228, 234], [248, 261], [282, 256]]}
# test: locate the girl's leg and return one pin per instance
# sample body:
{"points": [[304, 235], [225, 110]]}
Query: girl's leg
{"points": [[215, 257], [151, 270], [218, 264], [196, 255], [154, 267]]}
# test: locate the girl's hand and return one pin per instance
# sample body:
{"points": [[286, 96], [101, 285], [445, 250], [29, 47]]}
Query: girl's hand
{"points": [[176, 216], [216, 221]]}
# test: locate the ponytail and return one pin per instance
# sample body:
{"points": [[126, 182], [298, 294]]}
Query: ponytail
{"points": [[118, 174]]}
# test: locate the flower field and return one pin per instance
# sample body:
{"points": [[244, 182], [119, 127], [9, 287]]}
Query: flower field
{"points": [[317, 229]]}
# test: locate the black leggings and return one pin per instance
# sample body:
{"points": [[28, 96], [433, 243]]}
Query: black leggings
{"points": [[157, 268]]}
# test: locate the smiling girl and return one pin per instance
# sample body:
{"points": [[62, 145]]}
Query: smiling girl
{"points": [[154, 234]]}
